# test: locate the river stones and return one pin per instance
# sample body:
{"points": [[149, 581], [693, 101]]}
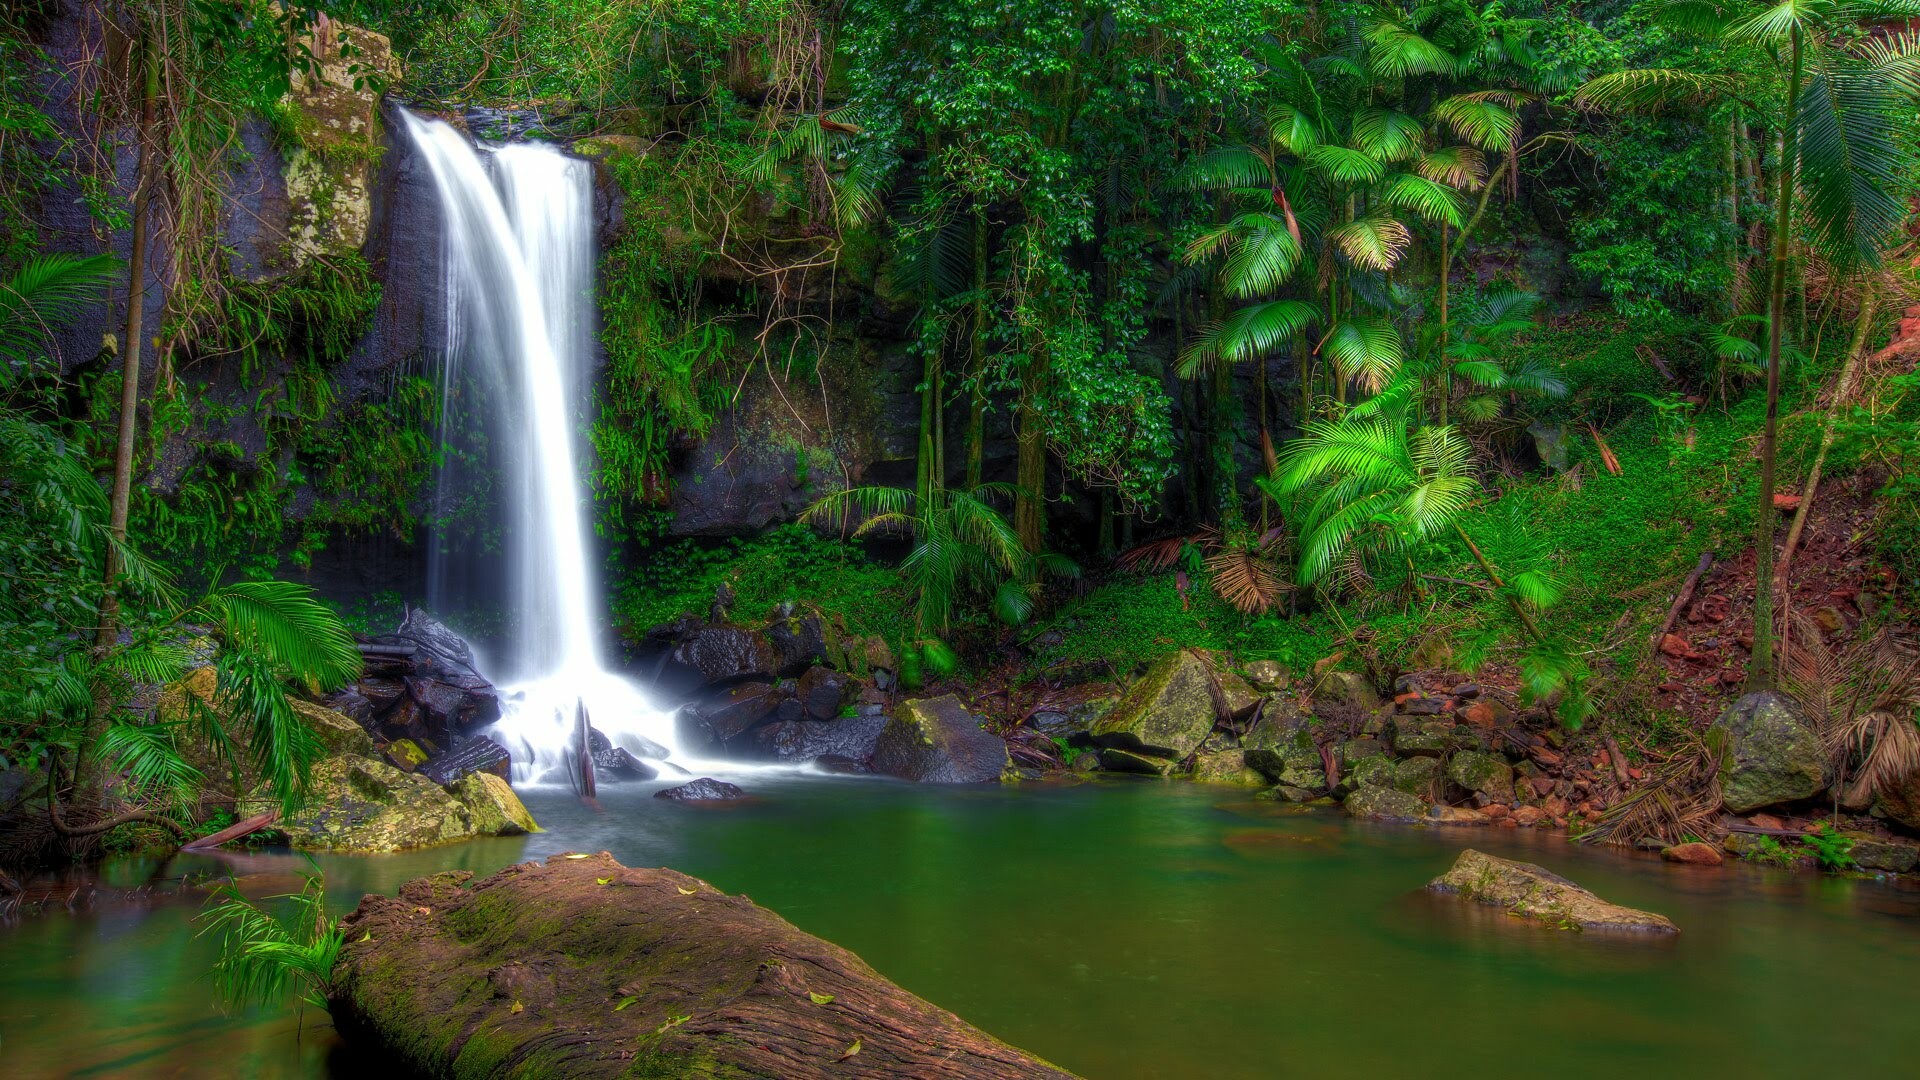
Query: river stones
{"points": [[1281, 746], [1349, 688], [1487, 775], [585, 968], [1167, 712], [616, 764], [725, 653], [1532, 892], [1384, 804], [1226, 767], [937, 741], [1774, 755]]}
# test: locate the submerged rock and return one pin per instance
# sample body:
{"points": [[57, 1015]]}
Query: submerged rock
{"points": [[1774, 755], [1168, 712], [1531, 892], [1890, 856], [705, 789], [1226, 767], [937, 741], [1114, 759], [585, 968]]}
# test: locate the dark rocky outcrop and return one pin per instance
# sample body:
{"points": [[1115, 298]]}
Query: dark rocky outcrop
{"points": [[1528, 891], [937, 741], [585, 968], [705, 789], [616, 764], [478, 754], [851, 740]]}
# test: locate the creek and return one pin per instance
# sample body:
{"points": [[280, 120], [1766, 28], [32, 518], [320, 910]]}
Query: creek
{"points": [[1122, 930]]}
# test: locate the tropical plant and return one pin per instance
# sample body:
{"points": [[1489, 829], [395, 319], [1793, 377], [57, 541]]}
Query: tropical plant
{"points": [[265, 959], [1842, 104], [1831, 849], [962, 547], [46, 291], [1862, 696]]}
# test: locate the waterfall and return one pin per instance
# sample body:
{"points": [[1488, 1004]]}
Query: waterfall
{"points": [[519, 276]]}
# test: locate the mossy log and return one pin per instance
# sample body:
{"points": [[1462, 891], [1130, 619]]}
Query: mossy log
{"points": [[582, 967]]}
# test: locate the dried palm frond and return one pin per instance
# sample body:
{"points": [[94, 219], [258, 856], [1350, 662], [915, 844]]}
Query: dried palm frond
{"points": [[1162, 554], [1248, 579], [1861, 697], [1680, 799]]}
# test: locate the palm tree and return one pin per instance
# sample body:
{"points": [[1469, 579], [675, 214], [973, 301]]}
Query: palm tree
{"points": [[962, 547], [46, 291], [1842, 104]]}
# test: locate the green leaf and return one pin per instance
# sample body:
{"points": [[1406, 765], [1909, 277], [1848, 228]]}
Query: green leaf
{"points": [[820, 999], [624, 1002]]}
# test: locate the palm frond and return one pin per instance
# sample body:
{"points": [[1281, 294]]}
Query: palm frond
{"points": [[1851, 164], [46, 292], [1650, 90]]}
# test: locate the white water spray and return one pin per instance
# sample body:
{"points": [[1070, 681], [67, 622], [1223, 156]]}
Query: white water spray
{"points": [[519, 266]]}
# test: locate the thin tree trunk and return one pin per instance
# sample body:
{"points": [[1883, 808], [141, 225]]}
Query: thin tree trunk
{"points": [[1446, 368], [977, 400], [1842, 392], [1760, 675], [1519, 609], [1029, 500], [1732, 210]]}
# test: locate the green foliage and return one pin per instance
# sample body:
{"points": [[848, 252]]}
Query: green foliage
{"points": [[791, 563], [1830, 849], [1769, 851], [265, 959]]}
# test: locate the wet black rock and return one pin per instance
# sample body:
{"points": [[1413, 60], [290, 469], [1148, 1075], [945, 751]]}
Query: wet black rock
{"points": [[479, 754], [823, 692], [721, 654], [615, 765], [852, 739], [705, 789], [937, 741], [734, 712]]}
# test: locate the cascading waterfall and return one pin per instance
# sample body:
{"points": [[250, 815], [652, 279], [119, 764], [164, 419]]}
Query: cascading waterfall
{"points": [[519, 267]]}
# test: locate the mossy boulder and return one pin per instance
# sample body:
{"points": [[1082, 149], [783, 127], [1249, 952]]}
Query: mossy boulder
{"points": [[1384, 804], [1774, 755], [1226, 767], [496, 810], [585, 968], [1167, 712], [1114, 759], [1531, 892], [336, 730], [1901, 802], [1371, 769], [1346, 688], [1887, 856], [1282, 747], [937, 741], [1417, 776], [1487, 775], [1426, 738], [363, 805]]}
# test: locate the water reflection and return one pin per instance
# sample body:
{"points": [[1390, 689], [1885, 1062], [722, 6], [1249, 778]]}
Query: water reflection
{"points": [[1128, 931]]}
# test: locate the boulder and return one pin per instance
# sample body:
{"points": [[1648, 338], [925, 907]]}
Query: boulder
{"points": [[1693, 853], [404, 754], [1486, 775], [736, 711], [1774, 755], [1225, 767], [1281, 746], [1346, 688], [361, 805], [586, 968], [1374, 769], [497, 811], [1530, 892], [616, 764], [1237, 699], [479, 754], [823, 692], [1424, 737], [1384, 804], [937, 741], [722, 654], [802, 641], [1167, 712], [337, 731], [1417, 776], [850, 738], [705, 789], [1901, 802], [1114, 759], [1888, 856], [1072, 721], [1267, 676]]}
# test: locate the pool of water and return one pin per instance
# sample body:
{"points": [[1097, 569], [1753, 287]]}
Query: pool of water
{"points": [[1121, 930]]}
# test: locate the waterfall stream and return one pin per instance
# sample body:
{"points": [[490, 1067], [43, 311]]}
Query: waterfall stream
{"points": [[519, 276]]}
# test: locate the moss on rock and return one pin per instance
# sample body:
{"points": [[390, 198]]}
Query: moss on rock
{"points": [[1167, 712]]}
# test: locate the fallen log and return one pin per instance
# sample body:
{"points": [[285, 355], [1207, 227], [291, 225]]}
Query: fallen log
{"points": [[583, 967], [1680, 602], [233, 832]]}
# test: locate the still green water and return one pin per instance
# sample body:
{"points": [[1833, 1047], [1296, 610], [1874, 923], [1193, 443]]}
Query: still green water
{"points": [[1121, 930]]}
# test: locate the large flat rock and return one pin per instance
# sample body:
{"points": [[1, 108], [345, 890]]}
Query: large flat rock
{"points": [[1531, 892], [582, 967]]}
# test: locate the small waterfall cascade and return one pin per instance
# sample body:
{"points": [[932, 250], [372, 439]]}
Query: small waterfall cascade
{"points": [[519, 280]]}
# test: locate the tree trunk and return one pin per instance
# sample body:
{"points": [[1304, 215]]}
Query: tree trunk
{"points": [[1029, 500], [1842, 392], [1760, 675], [977, 398]]}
